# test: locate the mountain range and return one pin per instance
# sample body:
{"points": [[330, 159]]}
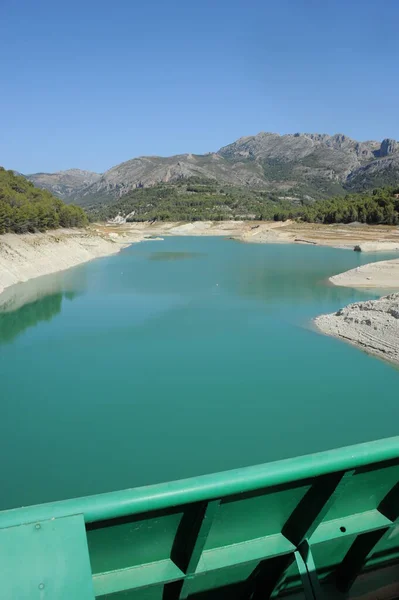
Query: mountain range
{"points": [[294, 166]]}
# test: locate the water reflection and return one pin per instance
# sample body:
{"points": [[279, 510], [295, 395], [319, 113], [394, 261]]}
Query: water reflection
{"points": [[13, 323], [24, 305]]}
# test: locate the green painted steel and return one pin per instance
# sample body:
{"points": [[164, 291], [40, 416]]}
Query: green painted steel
{"points": [[32, 553], [309, 526]]}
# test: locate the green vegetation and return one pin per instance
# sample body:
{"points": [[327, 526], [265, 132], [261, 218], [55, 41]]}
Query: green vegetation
{"points": [[368, 179], [277, 170], [25, 208], [196, 199], [193, 199], [380, 207]]}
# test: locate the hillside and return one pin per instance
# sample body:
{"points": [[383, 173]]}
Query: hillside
{"points": [[67, 185], [301, 166], [380, 207], [193, 200], [26, 208]]}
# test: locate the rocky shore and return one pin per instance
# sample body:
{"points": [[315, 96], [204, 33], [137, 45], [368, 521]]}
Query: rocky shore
{"points": [[372, 325]]}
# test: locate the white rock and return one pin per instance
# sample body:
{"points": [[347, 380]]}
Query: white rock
{"points": [[372, 325]]}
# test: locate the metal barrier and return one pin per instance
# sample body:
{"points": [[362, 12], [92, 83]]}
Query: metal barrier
{"points": [[317, 526]]}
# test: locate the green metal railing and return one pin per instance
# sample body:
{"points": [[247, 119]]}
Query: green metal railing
{"points": [[312, 525]]}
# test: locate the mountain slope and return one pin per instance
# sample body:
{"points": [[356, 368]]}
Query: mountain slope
{"points": [[380, 172], [151, 170], [313, 161], [67, 185], [25, 208], [300, 166]]}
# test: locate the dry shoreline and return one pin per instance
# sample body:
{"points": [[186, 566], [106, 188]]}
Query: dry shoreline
{"points": [[26, 256], [381, 275], [372, 326], [367, 238], [378, 331]]}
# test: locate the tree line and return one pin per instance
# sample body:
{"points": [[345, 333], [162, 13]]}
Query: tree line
{"points": [[25, 208], [379, 207], [196, 200], [191, 199]]}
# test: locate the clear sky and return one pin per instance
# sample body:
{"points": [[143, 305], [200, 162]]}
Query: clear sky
{"points": [[89, 84]]}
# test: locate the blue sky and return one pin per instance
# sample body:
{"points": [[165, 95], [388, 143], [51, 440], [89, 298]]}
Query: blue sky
{"points": [[90, 84]]}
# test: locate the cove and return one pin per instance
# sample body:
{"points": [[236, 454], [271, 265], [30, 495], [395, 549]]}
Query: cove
{"points": [[178, 358]]}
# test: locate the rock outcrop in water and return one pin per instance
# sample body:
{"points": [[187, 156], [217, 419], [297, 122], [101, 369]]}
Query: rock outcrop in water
{"points": [[372, 325]]}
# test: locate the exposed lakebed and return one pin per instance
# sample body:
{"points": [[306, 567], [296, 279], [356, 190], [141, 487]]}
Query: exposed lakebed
{"points": [[181, 357]]}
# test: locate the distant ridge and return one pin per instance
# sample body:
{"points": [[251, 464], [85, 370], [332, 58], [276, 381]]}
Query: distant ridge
{"points": [[67, 185], [309, 165]]}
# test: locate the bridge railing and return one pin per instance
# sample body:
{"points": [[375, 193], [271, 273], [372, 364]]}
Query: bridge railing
{"points": [[310, 525]]}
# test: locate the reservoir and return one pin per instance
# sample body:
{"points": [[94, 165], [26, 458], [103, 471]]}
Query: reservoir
{"points": [[177, 358]]}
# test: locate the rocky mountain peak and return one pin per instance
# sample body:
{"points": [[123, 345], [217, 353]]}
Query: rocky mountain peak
{"points": [[315, 164], [388, 146]]}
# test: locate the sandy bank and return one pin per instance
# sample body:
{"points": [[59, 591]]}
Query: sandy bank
{"points": [[372, 326], [26, 256], [377, 247], [382, 275]]}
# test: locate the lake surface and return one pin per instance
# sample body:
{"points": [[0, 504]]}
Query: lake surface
{"points": [[178, 358]]}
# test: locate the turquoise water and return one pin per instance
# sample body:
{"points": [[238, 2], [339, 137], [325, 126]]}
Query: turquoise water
{"points": [[178, 358]]}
